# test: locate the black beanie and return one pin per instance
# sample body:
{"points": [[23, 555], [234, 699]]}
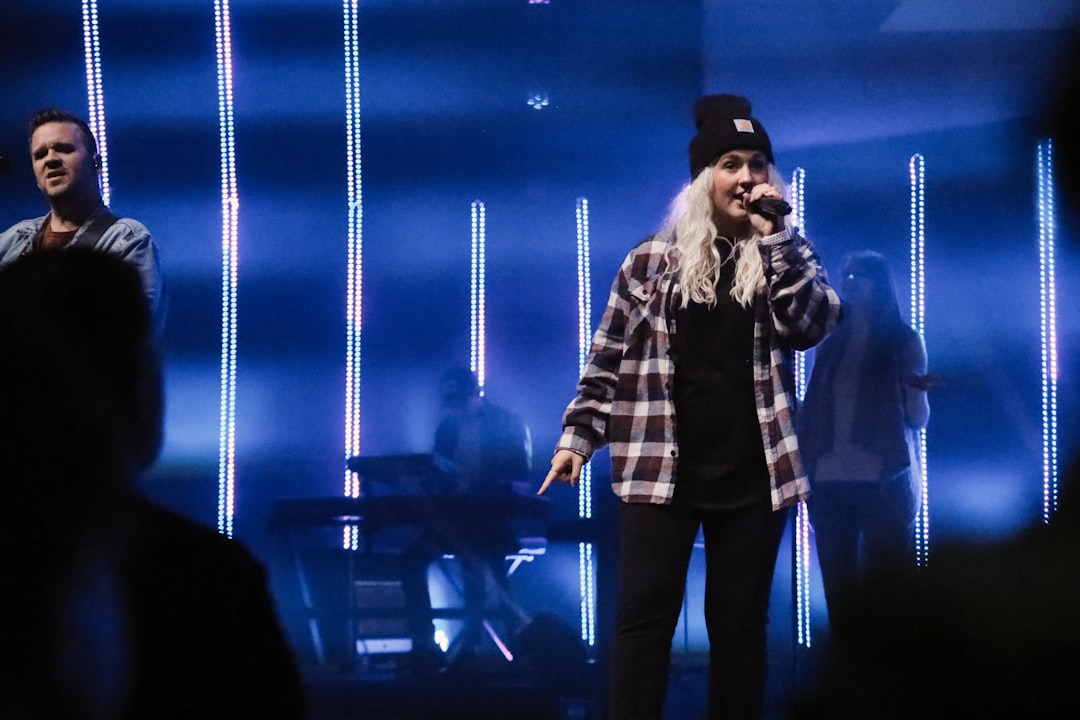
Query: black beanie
{"points": [[723, 123]]}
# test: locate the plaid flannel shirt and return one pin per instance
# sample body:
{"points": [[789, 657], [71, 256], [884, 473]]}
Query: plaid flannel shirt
{"points": [[625, 396]]}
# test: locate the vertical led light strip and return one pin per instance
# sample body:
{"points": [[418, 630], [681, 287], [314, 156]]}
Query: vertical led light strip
{"points": [[586, 563], [917, 170], [354, 251], [1048, 327], [798, 220], [94, 92], [477, 341], [801, 539], [230, 209]]}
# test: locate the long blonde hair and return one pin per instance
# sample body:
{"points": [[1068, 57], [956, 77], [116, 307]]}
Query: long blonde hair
{"points": [[690, 217]]}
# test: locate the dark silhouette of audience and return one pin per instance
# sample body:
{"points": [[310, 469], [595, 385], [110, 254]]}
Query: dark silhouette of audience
{"points": [[982, 632], [114, 607]]}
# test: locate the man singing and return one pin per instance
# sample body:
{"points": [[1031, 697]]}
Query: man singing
{"points": [[66, 166]]}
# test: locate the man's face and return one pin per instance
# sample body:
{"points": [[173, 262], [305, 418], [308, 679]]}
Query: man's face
{"points": [[63, 164]]}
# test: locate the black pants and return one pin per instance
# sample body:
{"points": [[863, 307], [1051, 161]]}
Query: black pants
{"points": [[740, 556], [860, 527]]}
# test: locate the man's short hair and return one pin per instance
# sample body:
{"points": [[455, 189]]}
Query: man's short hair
{"points": [[55, 114]]}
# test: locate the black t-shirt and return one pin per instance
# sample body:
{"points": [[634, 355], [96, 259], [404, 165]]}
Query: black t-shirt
{"points": [[721, 454]]}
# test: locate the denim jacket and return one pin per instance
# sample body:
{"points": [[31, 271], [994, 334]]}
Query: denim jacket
{"points": [[126, 238]]}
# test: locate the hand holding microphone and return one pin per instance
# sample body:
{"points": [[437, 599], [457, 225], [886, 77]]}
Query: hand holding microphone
{"points": [[774, 207], [767, 211]]}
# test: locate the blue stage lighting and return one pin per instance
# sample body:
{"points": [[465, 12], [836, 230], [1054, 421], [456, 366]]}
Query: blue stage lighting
{"points": [[917, 172], [477, 297], [801, 539], [585, 549], [94, 91], [1048, 327], [230, 207], [354, 255]]}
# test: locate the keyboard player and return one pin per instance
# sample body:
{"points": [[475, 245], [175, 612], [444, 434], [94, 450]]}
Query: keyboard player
{"points": [[484, 450]]}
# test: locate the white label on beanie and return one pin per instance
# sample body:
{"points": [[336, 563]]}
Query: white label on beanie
{"points": [[743, 125]]}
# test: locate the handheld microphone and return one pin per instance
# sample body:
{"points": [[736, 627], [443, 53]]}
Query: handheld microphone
{"points": [[771, 206]]}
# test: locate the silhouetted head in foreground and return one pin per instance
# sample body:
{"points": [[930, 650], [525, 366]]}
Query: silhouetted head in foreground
{"points": [[80, 417], [80, 381]]}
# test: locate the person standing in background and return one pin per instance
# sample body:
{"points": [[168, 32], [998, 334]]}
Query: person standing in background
{"points": [[865, 404]]}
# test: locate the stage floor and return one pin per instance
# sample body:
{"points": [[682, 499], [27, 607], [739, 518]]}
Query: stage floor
{"points": [[511, 692]]}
